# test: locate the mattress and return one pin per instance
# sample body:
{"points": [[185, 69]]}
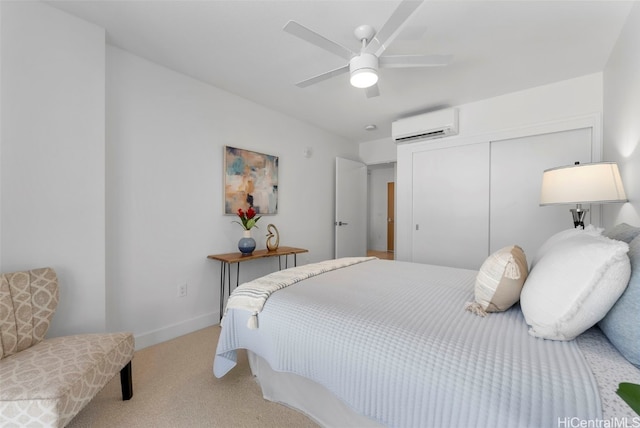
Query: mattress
{"points": [[392, 341]]}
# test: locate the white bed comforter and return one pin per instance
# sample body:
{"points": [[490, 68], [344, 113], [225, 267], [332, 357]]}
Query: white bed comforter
{"points": [[393, 341]]}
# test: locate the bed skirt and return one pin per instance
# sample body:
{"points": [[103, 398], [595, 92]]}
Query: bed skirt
{"points": [[306, 396]]}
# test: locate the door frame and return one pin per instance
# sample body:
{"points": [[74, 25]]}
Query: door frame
{"points": [[391, 214]]}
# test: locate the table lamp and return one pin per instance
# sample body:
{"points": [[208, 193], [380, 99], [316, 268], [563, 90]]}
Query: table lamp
{"points": [[589, 183]]}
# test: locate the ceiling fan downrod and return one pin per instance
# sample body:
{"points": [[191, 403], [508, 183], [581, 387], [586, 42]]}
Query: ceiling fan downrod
{"points": [[364, 34]]}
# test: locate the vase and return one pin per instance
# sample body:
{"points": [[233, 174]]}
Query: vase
{"points": [[247, 244]]}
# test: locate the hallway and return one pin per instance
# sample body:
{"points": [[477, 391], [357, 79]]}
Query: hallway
{"points": [[385, 255]]}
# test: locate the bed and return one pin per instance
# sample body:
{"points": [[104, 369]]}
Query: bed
{"points": [[368, 342]]}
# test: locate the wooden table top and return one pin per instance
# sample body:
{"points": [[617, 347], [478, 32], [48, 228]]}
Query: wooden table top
{"points": [[257, 254]]}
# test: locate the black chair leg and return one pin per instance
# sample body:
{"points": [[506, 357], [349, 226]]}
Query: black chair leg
{"points": [[126, 381]]}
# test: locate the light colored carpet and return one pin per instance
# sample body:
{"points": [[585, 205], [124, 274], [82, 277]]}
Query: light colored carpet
{"points": [[174, 386]]}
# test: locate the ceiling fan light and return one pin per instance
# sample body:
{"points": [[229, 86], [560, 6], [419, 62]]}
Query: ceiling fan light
{"points": [[364, 78], [364, 70]]}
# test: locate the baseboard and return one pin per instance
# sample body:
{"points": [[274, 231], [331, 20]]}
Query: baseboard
{"points": [[169, 332]]}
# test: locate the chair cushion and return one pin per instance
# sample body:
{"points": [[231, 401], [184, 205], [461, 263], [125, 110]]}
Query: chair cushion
{"points": [[28, 300], [49, 383]]}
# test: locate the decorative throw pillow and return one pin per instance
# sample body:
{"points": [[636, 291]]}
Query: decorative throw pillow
{"points": [[621, 325], [499, 281], [562, 235], [574, 285], [622, 232]]}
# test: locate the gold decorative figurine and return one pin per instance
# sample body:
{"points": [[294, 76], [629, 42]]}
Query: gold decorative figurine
{"points": [[273, 233]]}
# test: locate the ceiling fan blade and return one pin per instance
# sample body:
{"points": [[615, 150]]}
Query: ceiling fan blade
{"points": [[298, 30], [323, 76], [390, 29], [406, 61], [372, 91]]}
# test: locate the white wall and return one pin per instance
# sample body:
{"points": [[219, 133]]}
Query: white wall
{"points": [[52, 167], [380, 151], [165, 139], [1, 132], [622, 118], [489, 118], [150, 178]]}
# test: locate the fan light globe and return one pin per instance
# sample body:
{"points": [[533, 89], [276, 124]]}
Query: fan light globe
{"points": [[364, 78], [364, 70]]}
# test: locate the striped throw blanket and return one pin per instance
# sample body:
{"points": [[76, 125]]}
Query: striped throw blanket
{"points": [[251, 296]]}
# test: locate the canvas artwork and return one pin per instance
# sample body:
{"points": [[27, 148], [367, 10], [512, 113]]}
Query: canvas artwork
{"points": [[250, 180]]}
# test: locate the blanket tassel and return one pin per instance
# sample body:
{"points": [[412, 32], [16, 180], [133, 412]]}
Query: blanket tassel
{"points": [[252, 323]]}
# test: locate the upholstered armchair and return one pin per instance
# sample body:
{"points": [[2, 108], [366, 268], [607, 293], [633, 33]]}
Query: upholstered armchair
{"points": [[46, 382]]}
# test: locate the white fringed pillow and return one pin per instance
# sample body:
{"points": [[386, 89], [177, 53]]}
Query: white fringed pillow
{"points": [[499, 281], [573, 285], [562, 235]]}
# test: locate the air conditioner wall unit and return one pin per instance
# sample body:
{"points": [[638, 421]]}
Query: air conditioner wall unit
{"points": [[441, 123]]}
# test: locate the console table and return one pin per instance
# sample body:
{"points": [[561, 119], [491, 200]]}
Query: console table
{"points": [[226, 260]]}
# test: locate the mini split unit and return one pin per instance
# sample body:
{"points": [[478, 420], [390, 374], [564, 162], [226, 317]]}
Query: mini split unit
{"points": [[441, 123]]}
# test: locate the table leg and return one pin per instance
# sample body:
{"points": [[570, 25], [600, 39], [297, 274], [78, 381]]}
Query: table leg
{"points": [[229, 278], [237, 274], [222, 269]]}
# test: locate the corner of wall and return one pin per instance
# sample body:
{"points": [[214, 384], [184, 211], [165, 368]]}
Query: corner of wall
{"points": [[378, 151], [169, 332], [621, 106]]}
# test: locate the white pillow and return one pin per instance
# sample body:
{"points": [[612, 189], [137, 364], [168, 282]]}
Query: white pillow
{"points": [[574, 284], [562, 235], [499, 281]]}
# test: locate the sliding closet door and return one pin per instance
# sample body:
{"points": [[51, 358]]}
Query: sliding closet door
{"points": [[451, 206], [516, 176]]}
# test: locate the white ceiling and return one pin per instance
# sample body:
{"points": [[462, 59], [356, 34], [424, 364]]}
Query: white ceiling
{"points": [[238, 45]]}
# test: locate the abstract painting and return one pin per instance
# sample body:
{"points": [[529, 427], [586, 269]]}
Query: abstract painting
{"points": [[250, 180]]}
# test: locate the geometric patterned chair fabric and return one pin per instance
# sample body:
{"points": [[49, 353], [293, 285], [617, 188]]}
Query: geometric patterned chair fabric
{"points": [[46, 382]]}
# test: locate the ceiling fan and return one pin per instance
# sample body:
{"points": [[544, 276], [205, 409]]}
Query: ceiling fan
{"points": [[363, 66]]}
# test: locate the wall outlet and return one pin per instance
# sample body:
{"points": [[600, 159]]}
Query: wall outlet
{"points": [[182, 290]]}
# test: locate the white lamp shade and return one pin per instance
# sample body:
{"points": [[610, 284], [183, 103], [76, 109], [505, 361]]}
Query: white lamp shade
{"points": [[582, 184]]}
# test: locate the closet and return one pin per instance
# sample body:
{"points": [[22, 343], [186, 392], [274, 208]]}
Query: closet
{"points": [[471, 199]]}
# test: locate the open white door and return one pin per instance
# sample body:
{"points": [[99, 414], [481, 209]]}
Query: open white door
{"points": [[351, 209]]}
